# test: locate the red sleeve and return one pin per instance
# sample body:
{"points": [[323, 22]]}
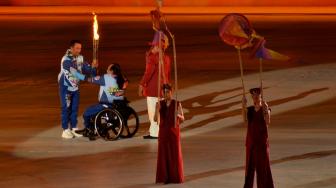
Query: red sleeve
{"points": [[150, 63]]}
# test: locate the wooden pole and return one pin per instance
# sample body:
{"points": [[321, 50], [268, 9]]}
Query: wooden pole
{"points": [[243, 85], [261, 78], [159, 75], [159, 3], [175, 61], [175, 76], [176, 83], [93, 49], [175, 64]]}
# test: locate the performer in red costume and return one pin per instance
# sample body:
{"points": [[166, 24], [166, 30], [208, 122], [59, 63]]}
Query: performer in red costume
{"points": [[170, 162], [149, 84], [257, 147]]}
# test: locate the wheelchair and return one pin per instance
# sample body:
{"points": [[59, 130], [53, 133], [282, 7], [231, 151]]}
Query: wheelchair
{"points": [[117, 120]]}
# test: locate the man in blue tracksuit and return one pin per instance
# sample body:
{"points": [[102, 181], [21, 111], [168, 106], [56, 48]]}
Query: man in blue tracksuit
{"points": [[69, 86]]}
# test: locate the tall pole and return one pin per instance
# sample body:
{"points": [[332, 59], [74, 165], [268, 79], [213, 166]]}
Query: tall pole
{"points": [[175, 65], [175, 74], [174, 56], [159, 74], [159, 6], [243, 85], [261, 78], [175, 77]]}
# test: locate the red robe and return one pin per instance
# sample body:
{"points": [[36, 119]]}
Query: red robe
{"points": [[169, 162], [257, 151], [150, 78]]}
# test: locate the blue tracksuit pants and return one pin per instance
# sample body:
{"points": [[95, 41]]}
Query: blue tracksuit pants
{"points": [[69, 106], [92, 111]]}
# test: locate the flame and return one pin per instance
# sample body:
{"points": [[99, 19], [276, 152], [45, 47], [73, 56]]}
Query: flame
{"points": [[95, 27], [159, 3]]}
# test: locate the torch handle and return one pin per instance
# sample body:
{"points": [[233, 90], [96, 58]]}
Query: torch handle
{"points": [[95, 50]]}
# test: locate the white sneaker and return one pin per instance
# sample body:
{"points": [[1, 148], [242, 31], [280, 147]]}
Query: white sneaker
{"points": [[67, 134], [75, 134]]}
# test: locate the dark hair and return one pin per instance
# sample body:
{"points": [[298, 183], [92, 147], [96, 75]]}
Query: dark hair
{"points": [[120, 77], [255, 91], [73, 42], [166, 87]]}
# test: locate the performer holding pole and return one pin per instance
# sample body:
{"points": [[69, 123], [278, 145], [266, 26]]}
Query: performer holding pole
{"points": [[156, 74], [257, 144], [259, 117], [236, 30], [169, 114], [158, 70], [170, 161]]}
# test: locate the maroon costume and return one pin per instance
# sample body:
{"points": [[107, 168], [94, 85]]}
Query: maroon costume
{"points": [[257, 150], [170, 162]]}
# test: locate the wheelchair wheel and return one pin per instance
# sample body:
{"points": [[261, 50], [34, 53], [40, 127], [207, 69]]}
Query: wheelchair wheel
{"points": [[108, 124], [131, 123]]}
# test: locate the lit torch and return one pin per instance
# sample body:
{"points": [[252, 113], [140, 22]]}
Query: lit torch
{"points": [[95, 37], [159, 4]]}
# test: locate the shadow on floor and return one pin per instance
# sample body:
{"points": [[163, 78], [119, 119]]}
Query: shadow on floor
{"points": [[320, 183], [312, 155]]}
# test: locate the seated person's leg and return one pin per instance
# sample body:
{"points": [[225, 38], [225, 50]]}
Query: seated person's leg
{"points": [[90, 112]]}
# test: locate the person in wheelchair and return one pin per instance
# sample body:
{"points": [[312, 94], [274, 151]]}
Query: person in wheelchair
{"points": [[112, 87]]}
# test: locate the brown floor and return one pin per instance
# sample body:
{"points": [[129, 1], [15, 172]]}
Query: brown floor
{"points": [[30, 57]]}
